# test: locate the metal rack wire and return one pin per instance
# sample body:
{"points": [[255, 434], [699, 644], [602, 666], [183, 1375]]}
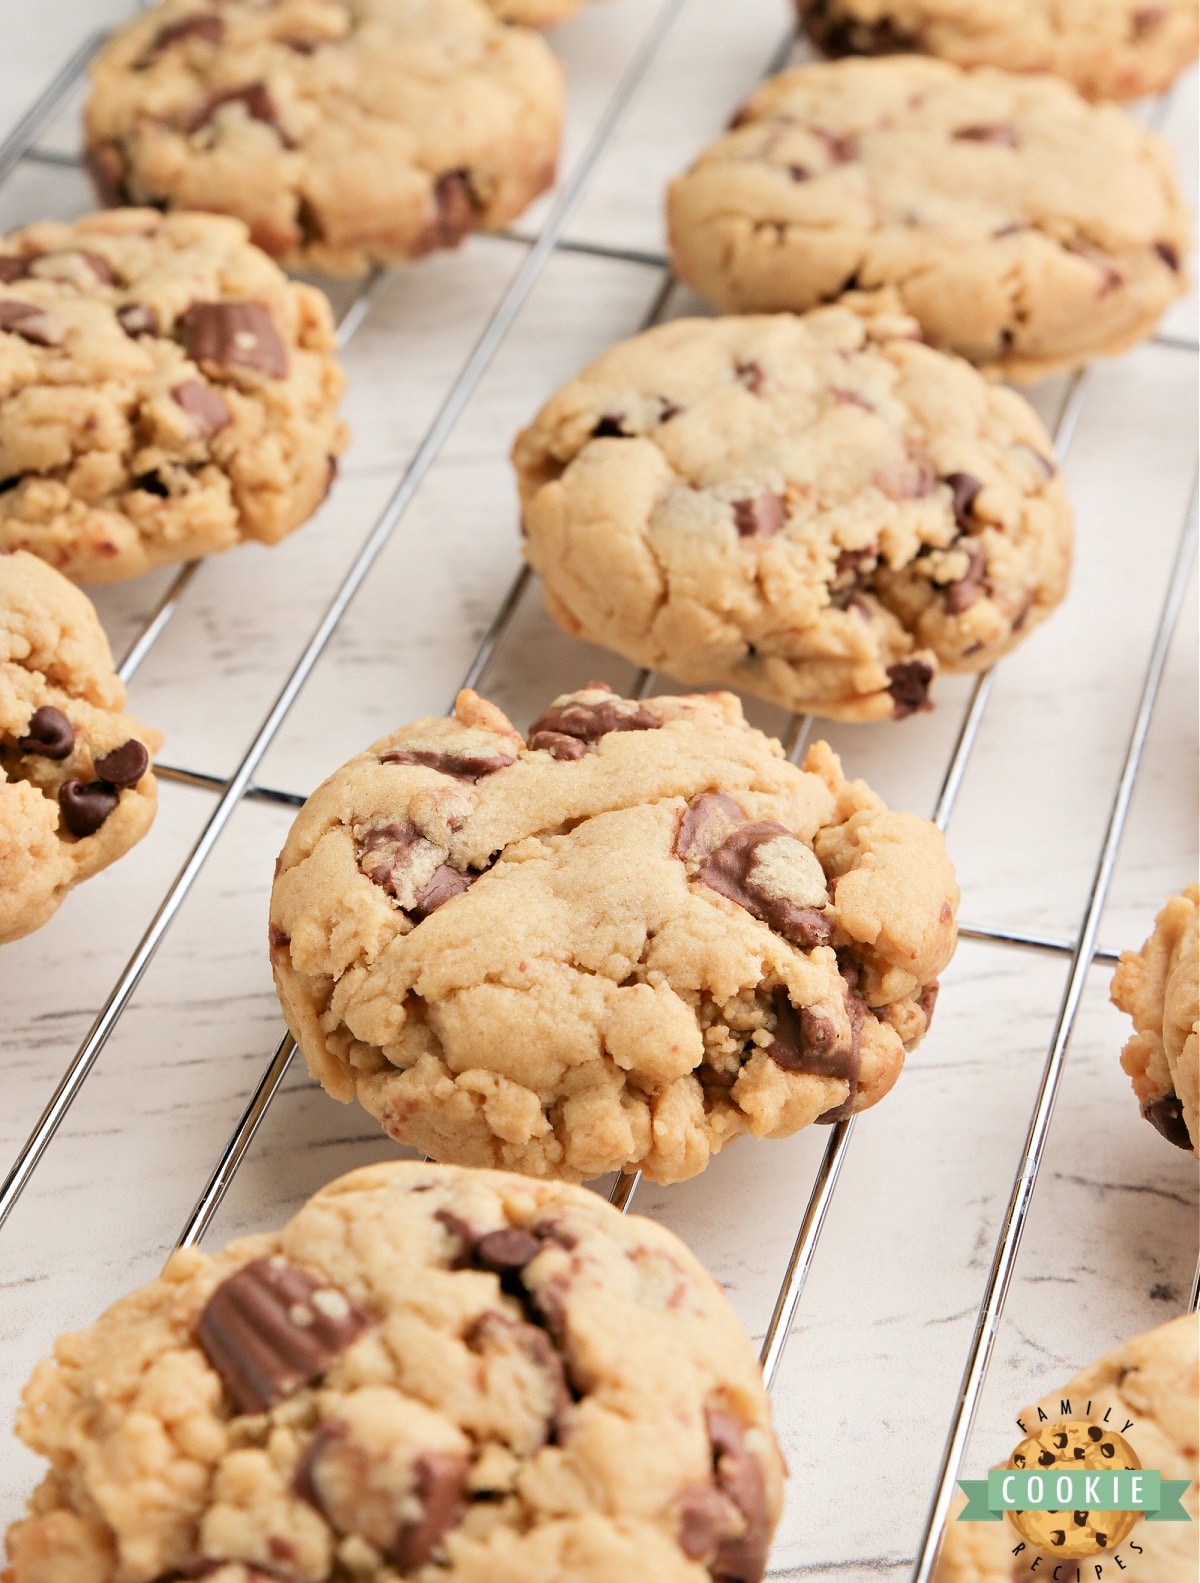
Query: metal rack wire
{"points": [[1081, 951]]}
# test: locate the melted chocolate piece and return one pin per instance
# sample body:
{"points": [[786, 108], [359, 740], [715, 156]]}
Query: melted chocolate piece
{"points": [[1165, 1114], [439, 1481], [740, 1558], [728, 870], [203, 405], [507, 1250], [31, 323], [278, 939], [856, 1011], [962, 595], [234, 335], [702, 811], [135, 318], [761, 518], [106, 166], [908, 683], [807, 1042], [444, 884], [272, 1328], [841, 35], [588, 722], [383, 853], [125, 765], [964, 487], [558, 745], [12, 268], [49, 734], [999, 136], [457, 213], [259, 107], [85, 808], [611, 428], [751, 375], [462, 766], [705, 1516], [152, 483], [799, 173]]}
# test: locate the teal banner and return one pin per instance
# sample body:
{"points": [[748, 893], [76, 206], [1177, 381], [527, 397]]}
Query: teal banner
{"points": [[1073, 1489]]}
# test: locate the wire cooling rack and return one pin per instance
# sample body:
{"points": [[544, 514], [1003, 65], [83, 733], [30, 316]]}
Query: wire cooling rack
{"points": [[1076, 951]]}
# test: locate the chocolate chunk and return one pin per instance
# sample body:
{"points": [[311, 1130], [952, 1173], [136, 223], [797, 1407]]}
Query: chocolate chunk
{"points": [[761, 518], [125, 765], [1146, 18], [806, 1041], [1165, 1114], [457, 212], [463, 766], [508, 1249], [74, 265], [106, 166], [1000, 136], [841, 147], [152, 483], [669, 410], [135, 318], [964, 488], [740, 1558], [588, 722], [85, 808], [751, 375], [272, 1328], [49, 734], [856, 1011], [258, 104], [706, 815], [611, 428], [5, 485], [203, 405], [730, 869], [962, 595], [799, 173], [438, 1485], [12, 268], [705, 1516], [31, 323], [234, 335], [838, 34], [384, 853], [493, 1332], [445, 884], [927, 1000], [203, 25], [558, 745], [278, 939], [1167, 252], [908, 683]]}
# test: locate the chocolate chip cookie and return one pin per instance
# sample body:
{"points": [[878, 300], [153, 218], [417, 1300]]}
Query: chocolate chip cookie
{"points": [[819, 509], [166, 392], [427, 1373], [624, 939], [1108, 49], [536, 13], [345, 133], [1149, 1384], [1159, 987], [76, 789], [1025, 229]]}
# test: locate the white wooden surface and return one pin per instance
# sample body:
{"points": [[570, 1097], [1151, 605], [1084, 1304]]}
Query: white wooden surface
{"points": [[867, 1387]]}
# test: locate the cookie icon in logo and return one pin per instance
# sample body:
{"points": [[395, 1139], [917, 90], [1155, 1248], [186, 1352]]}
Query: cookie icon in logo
{"points": [[1065, 1447]]}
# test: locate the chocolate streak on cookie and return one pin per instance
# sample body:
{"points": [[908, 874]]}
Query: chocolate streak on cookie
{"points": [[588, 722], [728, 871], [463, 766]]}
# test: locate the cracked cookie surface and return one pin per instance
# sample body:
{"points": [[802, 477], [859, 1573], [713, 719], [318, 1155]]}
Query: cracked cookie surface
{"points": [[427, 1373], [345, 133], [817, 509], [165, 392], [1149, 1383], [1024, 228], [623, 940], [1107, 49], [1159, 988], [76, 789]]}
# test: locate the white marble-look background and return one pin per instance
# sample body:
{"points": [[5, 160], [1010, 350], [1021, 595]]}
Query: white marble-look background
{"points": [[867, 1387]]}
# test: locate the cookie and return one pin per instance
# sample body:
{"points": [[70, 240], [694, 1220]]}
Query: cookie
{"points": [[1151, 1380], [1159, 987], [166, 393], [623, 940], [1026, 229], [536, 13], [1107, 49], [345, 133], [427, 1373], [76, 789], [819, 509]]}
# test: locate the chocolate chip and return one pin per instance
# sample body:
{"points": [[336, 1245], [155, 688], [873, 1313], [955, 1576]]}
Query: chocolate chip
{"points": [[508, 1249], [962, 595], [1165, 1114], [384, 854], [999, 136], [152, 483], [258, 104], [203, 25], [751, 375], [761, 518], [234, 335], [203, 405], [730, 870], [106, 166], [964, 489], [9, 483], [856, 1013], [135, 318], [1167, 252], [1046, 1459], [588, 722], [272, 1328], [557, 745], [841, 147], [457, 213], [838, 34], [125, 765], [669, 410], [705, 823], [611, 428], [445, 884], [1095, 1432], [462, 766], [740, 1558], [49, 734], [74, 265], [927, 1000], [799, 173], [31, 323], [1146, 18], [438, 1486], [85, 808], [278, 939], [705, 1516], [806, 1041], [12, 268], [908, 683]]}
